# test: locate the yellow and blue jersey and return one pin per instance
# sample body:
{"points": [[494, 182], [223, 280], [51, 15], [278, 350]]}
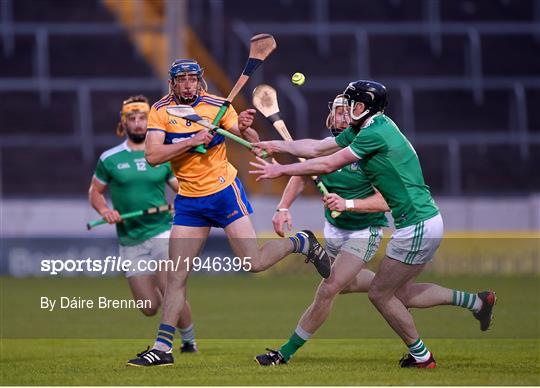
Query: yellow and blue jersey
{"points": [[198, 174]]}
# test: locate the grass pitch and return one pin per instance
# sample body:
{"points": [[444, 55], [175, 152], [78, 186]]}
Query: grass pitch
{"points": [[230, 362], [236, 317]]}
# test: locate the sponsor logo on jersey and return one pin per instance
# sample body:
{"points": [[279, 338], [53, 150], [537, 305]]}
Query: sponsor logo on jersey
{"points": [[356, 166], [122, 166], [402, 218]]}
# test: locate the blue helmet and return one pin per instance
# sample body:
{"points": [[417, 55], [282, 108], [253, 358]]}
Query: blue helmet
{"points": [[189, 66]]}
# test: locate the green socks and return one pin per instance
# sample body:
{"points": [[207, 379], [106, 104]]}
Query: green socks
{"points": [[419, 351], [294, 343], [467, 300]]}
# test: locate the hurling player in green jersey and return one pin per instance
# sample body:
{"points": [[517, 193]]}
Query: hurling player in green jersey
{"points": [[392, 165], [352, 239], [134, 185]]}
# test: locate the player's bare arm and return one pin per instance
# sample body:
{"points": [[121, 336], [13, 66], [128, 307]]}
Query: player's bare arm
{"points": [[316, 166], [243, 127], [305, 148], [156, 152], [373, 204], [99, 203], [173, 184], [283, 215]]}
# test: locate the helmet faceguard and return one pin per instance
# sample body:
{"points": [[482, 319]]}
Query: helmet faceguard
{"points": [[188, 67], [372, 94], [331, 123]]}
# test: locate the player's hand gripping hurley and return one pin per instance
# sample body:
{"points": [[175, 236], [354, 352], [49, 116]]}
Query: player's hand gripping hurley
{"points": [[265, 100], [137, 213], [187, 112], [261, 46]]}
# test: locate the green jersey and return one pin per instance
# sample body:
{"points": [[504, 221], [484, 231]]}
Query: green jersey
{"points": [[351, 182], [135, 185], [391, 164]]}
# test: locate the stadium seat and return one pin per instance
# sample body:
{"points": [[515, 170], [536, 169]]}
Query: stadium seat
{"points": [[533, 102], [485, 169], [19, 63], [57, 172], [434, 162], [389, 50], [58, 117], [95, 59], [501, 55], [375, 11], [60, 11], [432, 112], [487, 10], [106, 108]]}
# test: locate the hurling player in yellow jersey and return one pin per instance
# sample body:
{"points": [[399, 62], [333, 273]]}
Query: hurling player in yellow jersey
{"points": [[133, 185], [209, 195]]}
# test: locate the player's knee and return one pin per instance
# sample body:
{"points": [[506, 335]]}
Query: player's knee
{"points": [[328, 290], [403, 295], [150, 311], [376, 295], [350, 288], [256, 265]]}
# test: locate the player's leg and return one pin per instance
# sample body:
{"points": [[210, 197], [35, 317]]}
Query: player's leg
{"points": [[426, 295], [356, 249], [243, 241], [345, 268], [232, 214], [391, 275], [364, 243], [142, 282], [160, 251], [360, 283], [145, 287], [185, 324], [406, 255], [353, 250], [185, 243]]}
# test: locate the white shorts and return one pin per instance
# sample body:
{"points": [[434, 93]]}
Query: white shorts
{"points": [[362, 243], [155, 248], [416, 244]]}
